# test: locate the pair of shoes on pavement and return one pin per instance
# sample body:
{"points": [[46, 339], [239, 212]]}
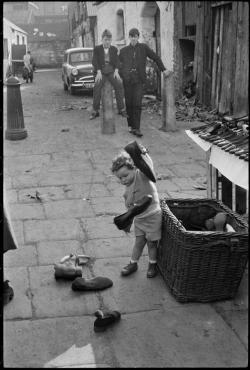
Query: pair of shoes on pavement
{"points": [[133, 266], [135, 131], [105, 319], [94, 115]]}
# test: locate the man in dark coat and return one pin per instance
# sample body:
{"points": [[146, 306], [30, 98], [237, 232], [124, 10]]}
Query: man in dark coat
{"points": [[133, 72], [106, 62]]}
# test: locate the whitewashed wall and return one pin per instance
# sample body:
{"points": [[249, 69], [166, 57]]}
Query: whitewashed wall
{"points": [[10, 34], [167, 33], [106, 18]]}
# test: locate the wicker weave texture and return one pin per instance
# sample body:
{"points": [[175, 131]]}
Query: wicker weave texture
{"points": [[204, 266]]}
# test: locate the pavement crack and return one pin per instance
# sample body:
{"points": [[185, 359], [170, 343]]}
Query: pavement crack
{"points": [[83, 230], [30, 295]]}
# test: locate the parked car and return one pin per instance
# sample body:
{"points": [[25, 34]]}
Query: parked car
{"points": [[77, 70]]}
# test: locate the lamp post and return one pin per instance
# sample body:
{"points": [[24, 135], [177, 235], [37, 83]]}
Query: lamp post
{"points": [[15, 122]]}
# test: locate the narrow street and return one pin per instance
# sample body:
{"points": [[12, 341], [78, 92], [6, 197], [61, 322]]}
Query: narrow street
{"points": [[67, 160]]}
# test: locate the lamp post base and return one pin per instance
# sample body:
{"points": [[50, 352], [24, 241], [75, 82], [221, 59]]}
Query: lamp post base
{"points": [[15, 134]]}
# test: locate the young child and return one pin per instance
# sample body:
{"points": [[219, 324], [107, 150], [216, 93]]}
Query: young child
{"points": [[147, 225]]}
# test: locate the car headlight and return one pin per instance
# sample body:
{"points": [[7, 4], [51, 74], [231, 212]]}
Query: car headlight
{"points": [[74, 71]]}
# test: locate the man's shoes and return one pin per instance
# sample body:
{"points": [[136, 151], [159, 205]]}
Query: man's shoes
{"points": [[123, 113], [8, 292], [105, 319], [129, 269], [152, 270], [131, 130], [137, 132], [94, 115]]}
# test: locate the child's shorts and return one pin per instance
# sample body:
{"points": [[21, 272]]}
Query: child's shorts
{"points": [[149, 226]]}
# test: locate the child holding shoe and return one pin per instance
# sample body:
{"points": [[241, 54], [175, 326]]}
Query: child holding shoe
{"points": [[147, 225]]}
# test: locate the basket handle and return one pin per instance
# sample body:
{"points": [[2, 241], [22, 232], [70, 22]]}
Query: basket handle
{"points": [[232, 243]]}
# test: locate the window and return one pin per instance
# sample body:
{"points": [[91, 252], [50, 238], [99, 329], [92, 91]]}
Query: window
{"points": [[83, 57], [120, 25], [5, 49], [17, 38], [190, 30], [23, 40]]}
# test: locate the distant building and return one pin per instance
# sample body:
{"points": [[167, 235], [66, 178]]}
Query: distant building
{"points": [[20, 12], [14, 38], [47, 27]]}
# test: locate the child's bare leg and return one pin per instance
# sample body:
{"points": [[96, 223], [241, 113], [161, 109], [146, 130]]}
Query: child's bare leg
{"points": [[140, 242], [152, 254]]}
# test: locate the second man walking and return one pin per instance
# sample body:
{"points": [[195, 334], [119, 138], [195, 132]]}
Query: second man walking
{"points": [[133, 72]]}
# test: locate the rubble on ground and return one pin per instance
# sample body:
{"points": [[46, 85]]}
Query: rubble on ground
{"points": [[187, 109]]}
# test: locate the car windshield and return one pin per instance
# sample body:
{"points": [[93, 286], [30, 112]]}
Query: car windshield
{"points": [[82, 57]]}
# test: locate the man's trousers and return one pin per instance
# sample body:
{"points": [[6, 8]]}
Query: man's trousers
{"points": [[133, 100], [118, 92]]}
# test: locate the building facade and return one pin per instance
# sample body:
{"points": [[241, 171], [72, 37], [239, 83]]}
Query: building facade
{"points": [[153, 19], [47, 27], [14, 38]]}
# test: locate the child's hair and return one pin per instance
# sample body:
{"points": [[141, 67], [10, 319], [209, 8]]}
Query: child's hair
{"points": [[123, 159]]}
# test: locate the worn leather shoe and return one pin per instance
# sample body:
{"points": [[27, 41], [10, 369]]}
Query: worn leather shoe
{"points": [[68, 271], [137, 132], [96, 283], [8, 292], [129, 269], [152, 270], [124, 221], [94, 115]]}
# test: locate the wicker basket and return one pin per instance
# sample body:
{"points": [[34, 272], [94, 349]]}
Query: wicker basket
{"points": [[204, 266]]}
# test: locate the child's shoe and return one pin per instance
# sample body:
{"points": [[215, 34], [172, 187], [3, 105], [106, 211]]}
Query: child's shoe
{"points": [[129, 269], [152, 270]]}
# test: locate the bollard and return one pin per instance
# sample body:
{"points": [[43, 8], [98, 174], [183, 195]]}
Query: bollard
{"points": [[108, 121], [15, 123], [168, 103]]}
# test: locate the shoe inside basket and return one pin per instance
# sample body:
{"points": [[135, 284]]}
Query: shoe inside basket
{"points": [[204, 218]]}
